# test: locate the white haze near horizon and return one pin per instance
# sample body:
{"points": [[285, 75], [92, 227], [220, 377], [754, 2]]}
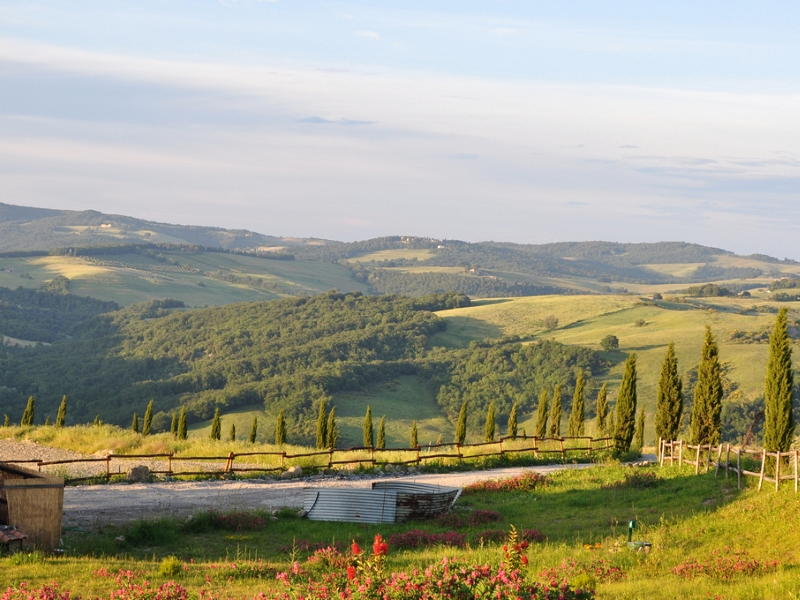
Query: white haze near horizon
{"points": [[365, 122]]}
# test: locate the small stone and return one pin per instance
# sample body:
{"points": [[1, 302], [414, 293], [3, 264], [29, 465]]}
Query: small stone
{"points": [[139, 474]]}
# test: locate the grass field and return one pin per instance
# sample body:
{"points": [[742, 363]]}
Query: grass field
{"points": [[644, 328], [198, 278], [709, 540], [395, 254]]}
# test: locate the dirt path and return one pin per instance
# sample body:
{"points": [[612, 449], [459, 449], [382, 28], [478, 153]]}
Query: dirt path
{"points": [[90, 506]]}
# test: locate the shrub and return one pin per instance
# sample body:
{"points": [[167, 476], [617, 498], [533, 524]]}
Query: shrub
{"points": [[636, 479], [519, 483], [724, 564], [609, 342], [170, 566], [417, 538], [570, 571]]}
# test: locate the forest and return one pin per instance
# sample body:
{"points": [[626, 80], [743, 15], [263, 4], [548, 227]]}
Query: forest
{"points": [[285, 354]]}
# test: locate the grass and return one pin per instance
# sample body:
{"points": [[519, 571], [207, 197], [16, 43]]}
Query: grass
{"points": [[583, 515], [395, 254]]}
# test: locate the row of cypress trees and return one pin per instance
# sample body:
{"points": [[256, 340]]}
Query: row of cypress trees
{"points": [[29, 414]]}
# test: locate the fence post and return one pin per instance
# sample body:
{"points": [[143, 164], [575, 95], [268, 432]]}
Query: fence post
{"points": [[680, 453], [795, 471], [108, 467], [330, 457], [697, 462], [661, 452], [563, 452], [283, 459], [777, 470], [763, 463], [727, 459], [738, 468]]}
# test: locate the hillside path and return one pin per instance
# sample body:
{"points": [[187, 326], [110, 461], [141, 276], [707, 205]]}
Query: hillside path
{"points": [[94, 505]]}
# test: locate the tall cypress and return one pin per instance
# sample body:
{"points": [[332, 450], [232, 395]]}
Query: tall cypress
{"points": [[368, 436], [322, 423], [669, 398], [625, 421], [489, 425], [638, 436], [216, 426], [778, 388], [413, 437], [554, 431], [183, 429], [173, 425], [707, 403], [61, 415], [601, 410], [135, 423], [147, 420], [333, 430], [6, 421], [253, 430], [232, 434], [29, 414], [381, 443], [511, 429], [542, 414], [576, 413], [461, 424], [280, 428]]}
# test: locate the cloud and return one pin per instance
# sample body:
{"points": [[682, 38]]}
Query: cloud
{"points": [[368, 34], [322, 121]]}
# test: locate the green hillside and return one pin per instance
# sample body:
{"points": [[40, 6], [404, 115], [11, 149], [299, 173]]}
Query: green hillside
{"points": [[642, 326]]}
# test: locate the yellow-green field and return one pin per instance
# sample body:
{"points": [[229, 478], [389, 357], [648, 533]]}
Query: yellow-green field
{"points": [[642, 327], [197, 278], [395, 254]]}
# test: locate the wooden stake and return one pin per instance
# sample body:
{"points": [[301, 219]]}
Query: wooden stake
{"points": [[739, 468], [795, 471], [680, 453], [763, 464], [777, 470], [697, 456], [727, 460]]}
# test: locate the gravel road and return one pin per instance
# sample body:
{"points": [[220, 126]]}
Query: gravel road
{"points": [[90, 506]]}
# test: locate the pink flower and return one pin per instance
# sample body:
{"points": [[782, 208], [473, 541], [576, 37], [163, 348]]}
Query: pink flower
{"points": [[355, 549], [351, 572]]}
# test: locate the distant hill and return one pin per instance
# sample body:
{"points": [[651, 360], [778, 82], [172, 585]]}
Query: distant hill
{"points": [[26, 228], [127, 260]]}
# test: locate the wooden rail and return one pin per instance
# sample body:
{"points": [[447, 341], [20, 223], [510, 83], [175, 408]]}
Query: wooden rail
{"points": [[728, 459], [359, 455]]}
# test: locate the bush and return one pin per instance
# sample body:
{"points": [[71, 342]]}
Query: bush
{"points": [[416, 538], [170, 566], [525, 482], [609, 342]]}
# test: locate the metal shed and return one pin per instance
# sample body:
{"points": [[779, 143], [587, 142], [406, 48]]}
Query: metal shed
{"points": [[32, 503], [385, 502]]}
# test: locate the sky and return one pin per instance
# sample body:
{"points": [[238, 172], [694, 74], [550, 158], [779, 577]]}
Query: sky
{"points": [[524, 121]]}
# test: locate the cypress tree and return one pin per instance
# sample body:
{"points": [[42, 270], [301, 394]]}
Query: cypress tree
{"points": [[554, 430], [183, 429], [232, 435], [541, 415], [576, 412], [173, 425], [707, 404], [253, 430], [669, 398], [413, 437], [147, 422], [280, 428], [511, 429], [461, 425], [97, 422], [47, 421], [29, 414], [601, 408], [61, 415], [366, 430], [638, 436], [216, 426], [333, 430], [381, 443], [6, 421], [135, 423], [322, 423], [625, 421], [778, 388], [489, 426]]}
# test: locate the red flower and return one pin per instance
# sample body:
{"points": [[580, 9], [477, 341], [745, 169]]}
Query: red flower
{"points": [[379, 546], [355, 548], [351, 572]]}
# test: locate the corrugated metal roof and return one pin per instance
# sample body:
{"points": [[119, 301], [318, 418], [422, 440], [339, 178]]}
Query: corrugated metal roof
{"points": [[385, 502]]}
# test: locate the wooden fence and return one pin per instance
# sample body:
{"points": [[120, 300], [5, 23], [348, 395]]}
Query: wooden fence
{"points": [[331, 458], [732, 459]]}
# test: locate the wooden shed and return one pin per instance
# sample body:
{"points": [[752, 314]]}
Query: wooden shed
{"points": [[33, 503]]}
